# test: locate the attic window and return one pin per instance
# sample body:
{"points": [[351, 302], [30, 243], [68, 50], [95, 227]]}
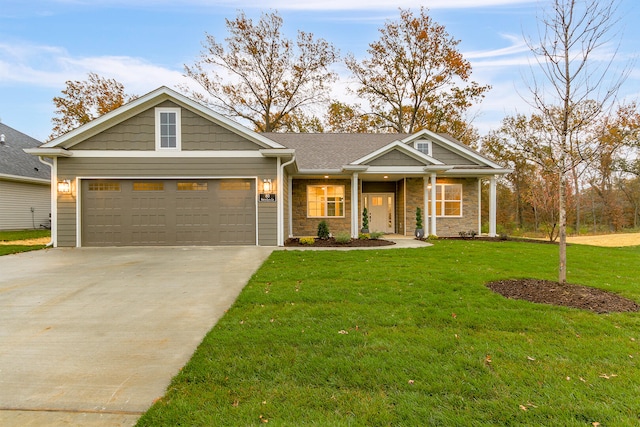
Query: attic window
{"points": [[168, 132], [423, 146]]}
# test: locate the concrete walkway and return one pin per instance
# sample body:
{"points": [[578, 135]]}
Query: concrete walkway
{"points": [[92, 336]]}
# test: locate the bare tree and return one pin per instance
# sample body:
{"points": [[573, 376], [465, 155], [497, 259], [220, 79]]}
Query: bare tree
{"points": [[571, 34], [261, 76]]}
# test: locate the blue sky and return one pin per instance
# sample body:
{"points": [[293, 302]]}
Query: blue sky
{"points": [[144, 44]]}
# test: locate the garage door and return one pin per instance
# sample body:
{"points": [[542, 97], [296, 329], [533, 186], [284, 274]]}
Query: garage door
{"points": [[168, 212]]}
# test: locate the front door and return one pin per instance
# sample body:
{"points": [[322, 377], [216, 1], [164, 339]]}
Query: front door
{"points": [[381, 212]]}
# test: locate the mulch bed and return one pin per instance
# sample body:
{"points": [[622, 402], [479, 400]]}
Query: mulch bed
{"points": [[331, 243], [568, 295]]}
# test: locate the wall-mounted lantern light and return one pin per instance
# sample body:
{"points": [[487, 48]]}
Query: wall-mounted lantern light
{"points": [[64, 186], [267, 186]]}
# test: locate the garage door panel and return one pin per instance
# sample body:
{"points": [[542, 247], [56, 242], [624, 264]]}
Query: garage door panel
{"points": [[168, 212]]}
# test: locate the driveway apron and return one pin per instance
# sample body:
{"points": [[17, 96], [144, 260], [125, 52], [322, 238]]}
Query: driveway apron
{"points": [[92, 336]]}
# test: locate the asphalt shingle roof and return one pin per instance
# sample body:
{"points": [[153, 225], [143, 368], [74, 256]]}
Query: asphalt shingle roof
{"points": [[332, 150], [14, 161]]}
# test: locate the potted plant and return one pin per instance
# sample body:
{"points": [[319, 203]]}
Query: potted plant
{"points": [[419, 230], [365, 221]]}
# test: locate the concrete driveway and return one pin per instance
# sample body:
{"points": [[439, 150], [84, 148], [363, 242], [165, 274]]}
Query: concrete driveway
{"points": [[92, 336]]}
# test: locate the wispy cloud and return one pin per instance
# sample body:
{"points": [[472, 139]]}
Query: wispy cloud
{"points": [[51, 67], [517, 46]]}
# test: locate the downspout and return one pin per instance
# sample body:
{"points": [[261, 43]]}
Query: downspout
{"points": [[355, 209], [280, 205], [54, 200]]}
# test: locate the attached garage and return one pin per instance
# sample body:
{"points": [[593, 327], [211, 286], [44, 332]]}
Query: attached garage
{"points": [[168, 212]]}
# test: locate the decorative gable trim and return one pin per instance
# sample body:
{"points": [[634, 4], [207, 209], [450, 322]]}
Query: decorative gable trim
{"points": [[399, 146], [146, 102], [455, 147]]}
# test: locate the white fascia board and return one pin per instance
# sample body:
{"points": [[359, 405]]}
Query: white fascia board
{"points": [[26, 179], [476, 172], [278, 152], [147, 101], [399, 145], [172, 177], [48, 152], [320, 172], [394, 170], [166, 154], [456, 148]]}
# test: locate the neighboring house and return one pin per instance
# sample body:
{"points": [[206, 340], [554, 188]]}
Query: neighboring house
{"points": [[165, 170], [25, 183]]}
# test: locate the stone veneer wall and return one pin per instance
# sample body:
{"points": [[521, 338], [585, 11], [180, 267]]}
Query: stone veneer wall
{"points": [[451, 227], [415, 199], [400, 225], [303, 226]]}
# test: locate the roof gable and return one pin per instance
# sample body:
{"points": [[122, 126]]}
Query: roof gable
{"points": [[396, 153], [147, 102], [451, 151]]}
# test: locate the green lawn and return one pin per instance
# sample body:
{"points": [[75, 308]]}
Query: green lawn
{"points": [[8, 236], [413, 338]]}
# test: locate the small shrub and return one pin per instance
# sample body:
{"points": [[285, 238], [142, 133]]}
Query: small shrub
{"points": [[307, 240], [323, 230], [343, 237], [462, 234], [365, 219], [432, 237], [418, 218], [363, 236], [375, 235], [472, 233]]}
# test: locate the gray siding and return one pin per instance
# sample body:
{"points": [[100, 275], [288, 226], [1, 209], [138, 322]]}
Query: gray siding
{"points": [[16, 201], [447, 157], [395, 158], [70, 168], [138, 133]]}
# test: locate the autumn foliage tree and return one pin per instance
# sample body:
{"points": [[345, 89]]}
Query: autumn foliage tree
{"points": [[83, 101], [415, 78], [260, 75]]}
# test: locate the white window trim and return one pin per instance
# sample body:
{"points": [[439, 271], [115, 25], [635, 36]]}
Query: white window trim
{"points": [[424, 141], [178, 146], [440, 190], [344, 200]]}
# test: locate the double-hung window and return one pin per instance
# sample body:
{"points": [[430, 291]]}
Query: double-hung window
{"points": [[168, 130], [448, 200], [325, 201]]}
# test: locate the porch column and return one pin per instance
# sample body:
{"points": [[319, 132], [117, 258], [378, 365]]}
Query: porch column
{"points": [[432, 217], [492, 206], [425, 204], [479, 206], [355, 210]]}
